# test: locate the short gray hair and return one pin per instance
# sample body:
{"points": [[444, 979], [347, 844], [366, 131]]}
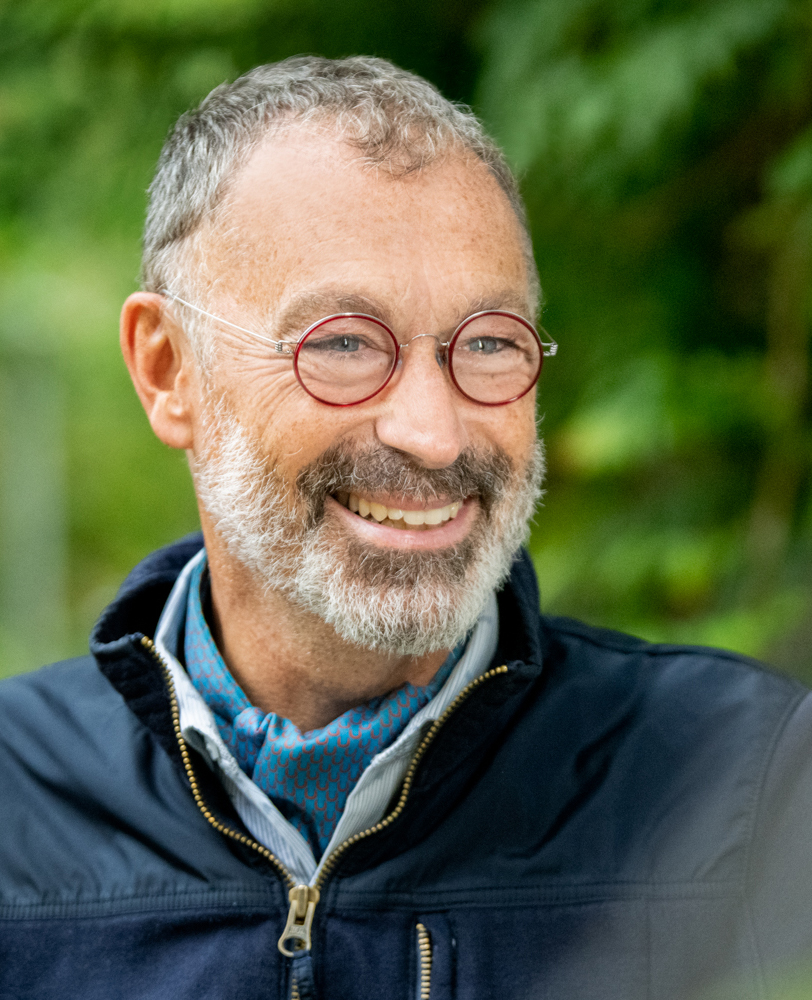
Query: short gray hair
{"points": [[392, 117]]}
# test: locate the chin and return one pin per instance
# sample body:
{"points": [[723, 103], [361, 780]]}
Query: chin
{"points": [[400, 591], [408, 602]]}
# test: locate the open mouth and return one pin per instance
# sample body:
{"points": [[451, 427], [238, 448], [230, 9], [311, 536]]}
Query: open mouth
{"points": [[394, 517]]}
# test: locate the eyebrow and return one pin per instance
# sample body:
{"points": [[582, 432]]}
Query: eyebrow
{"points": [[306, 308], [509, 300]]}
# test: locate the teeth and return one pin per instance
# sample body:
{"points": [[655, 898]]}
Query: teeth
{"points": [[394, 517], [378, 511]]}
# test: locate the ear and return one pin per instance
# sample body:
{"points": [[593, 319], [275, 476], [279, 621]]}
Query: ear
{"points": [[161, 366]]}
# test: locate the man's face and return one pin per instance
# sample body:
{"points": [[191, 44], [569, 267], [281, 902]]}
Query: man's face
{"points": [[286, 480]]}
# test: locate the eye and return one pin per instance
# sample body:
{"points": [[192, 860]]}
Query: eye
{"points": [[487, 345], [335, 343]]}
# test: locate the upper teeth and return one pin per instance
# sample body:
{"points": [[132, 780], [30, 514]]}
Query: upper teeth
{"points": [[368, 508]]}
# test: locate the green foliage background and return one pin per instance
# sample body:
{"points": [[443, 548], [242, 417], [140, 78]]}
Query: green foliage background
{"points": [[666, 154]]}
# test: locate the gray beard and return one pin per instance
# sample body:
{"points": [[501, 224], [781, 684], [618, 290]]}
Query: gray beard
{"points": [[404, 602]]}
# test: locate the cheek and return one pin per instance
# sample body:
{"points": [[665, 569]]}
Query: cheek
{"points": [[513, 428], [268, 404], [296, 429], [277, 412]]}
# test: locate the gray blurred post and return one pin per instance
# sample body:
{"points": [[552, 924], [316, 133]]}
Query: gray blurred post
{"points": [[33, 618]]}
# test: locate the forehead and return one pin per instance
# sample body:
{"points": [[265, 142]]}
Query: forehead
{"points": [[306, 217]]}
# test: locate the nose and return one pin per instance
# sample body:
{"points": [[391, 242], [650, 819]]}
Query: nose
{"points": [[421, 412]]}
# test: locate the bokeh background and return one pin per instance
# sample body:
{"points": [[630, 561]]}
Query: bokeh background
{"points": [[665, 150]]}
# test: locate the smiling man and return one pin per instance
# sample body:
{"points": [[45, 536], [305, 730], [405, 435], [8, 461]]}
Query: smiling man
{"points": [[365, 457], [330, 748]]}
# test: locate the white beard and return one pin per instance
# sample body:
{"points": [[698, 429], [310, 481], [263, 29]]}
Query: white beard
{"points": [[405, 602]]}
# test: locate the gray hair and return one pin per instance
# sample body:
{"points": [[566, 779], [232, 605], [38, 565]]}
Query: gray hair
{"points": [[392, 117]]}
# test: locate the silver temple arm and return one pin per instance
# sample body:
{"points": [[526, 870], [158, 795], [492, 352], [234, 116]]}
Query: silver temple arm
{"points": [[549, 347], [280, 346]]}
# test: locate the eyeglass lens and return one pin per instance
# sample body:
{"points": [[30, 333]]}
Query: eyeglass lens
{"points": [[494, 358], [347, 359]]}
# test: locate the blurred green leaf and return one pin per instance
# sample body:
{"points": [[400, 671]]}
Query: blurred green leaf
{"points": [[792, 173]]}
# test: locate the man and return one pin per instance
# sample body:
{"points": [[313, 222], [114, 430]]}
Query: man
{"points": [[330, 748]]}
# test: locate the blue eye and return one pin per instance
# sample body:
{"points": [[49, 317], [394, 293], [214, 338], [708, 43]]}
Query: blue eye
{"points": [[340, 344], [484, 345]]}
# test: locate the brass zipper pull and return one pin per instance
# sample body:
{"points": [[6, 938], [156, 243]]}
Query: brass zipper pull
{"points": [[303, 899]]}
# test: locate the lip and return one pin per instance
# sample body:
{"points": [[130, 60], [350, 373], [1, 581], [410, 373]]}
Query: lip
{"points": [[440, 537]]}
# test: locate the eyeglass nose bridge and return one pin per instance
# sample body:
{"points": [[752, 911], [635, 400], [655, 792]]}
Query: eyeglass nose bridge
{"points": [[442, 346], [431, 336]]}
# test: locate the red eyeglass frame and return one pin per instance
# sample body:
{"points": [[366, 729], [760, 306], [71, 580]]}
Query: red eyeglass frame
{"points": [[447, 344], [291, 349]]}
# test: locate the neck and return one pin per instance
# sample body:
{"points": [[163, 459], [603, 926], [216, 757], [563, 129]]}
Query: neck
{"points": [[292, 663]]}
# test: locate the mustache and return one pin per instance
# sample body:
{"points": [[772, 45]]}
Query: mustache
{"points": [[483, 474]]}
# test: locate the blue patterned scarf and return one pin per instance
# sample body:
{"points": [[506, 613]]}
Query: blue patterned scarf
{"points": [[309, 775]]}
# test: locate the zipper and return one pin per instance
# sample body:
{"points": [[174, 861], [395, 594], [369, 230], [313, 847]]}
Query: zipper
{"points": [[408, 781], [424, 963], [227, 831], [304, 898]]}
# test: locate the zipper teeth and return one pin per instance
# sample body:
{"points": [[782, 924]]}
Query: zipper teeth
{"points": [[363, 834], [294, 990], [424, 951], [410, 773], [190, 774]]}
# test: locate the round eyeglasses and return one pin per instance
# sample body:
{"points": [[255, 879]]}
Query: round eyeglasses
{"points": [[494, 357]]}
